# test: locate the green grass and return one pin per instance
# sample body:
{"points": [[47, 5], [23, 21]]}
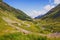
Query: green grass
{"points": [[21, 36], [54, 38], [49, 25]]}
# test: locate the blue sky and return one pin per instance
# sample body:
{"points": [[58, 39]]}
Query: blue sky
{"points": [[33, 8]]}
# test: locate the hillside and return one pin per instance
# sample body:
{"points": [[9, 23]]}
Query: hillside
{"points": [[51, 20], [16, 12]]}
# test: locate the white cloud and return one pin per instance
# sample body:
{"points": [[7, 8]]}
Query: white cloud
{"points": [[45, 9], [56, 1], [35, 13], [48, 7]]}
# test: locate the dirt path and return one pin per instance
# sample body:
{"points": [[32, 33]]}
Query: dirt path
{"points": [[9, 21], [52, 35]]}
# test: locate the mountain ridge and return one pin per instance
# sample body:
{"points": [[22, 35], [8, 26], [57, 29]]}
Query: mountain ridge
{"points": [[49, 12], [20, 14]]}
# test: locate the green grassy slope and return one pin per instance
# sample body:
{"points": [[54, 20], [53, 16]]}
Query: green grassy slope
{"points": [[17, 13]]}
